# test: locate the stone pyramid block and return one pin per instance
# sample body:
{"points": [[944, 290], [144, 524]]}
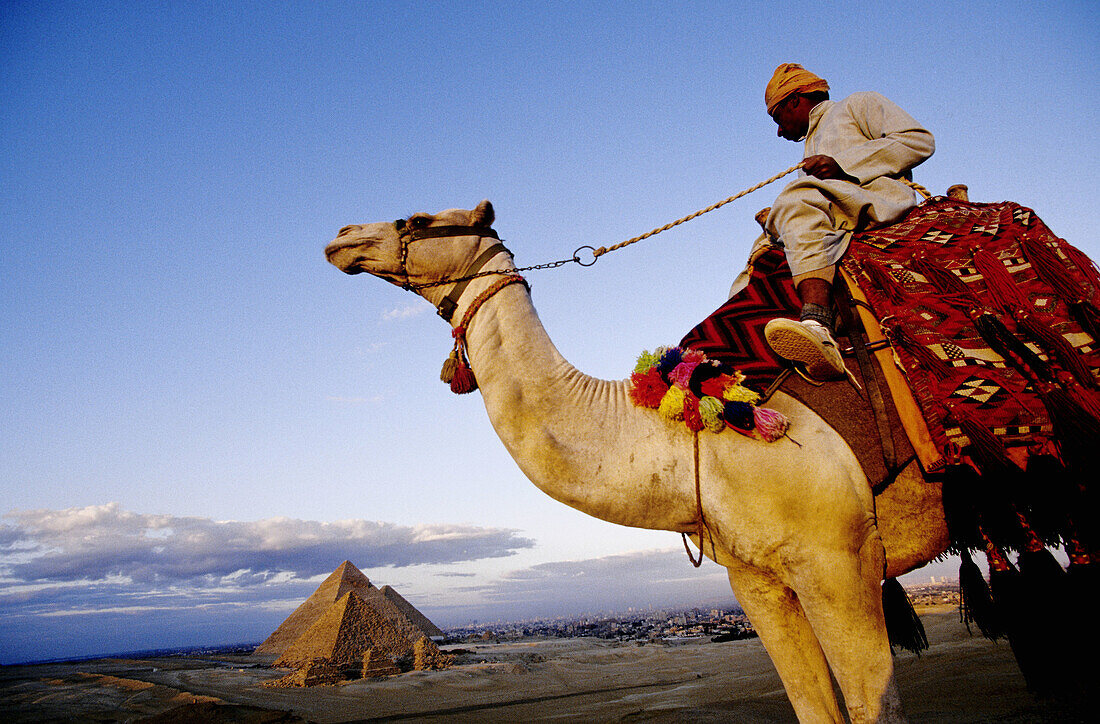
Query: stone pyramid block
{"points": [[414, 616], [376, 664], [428, 657], [343, 634], [345, 617], [344, 579]]}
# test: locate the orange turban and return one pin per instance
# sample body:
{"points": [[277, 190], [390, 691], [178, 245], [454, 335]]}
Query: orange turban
{"points": [[791, 78]]}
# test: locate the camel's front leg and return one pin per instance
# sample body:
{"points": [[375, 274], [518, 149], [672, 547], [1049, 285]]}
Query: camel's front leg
{"points": [[777, 616], [841, 595]]}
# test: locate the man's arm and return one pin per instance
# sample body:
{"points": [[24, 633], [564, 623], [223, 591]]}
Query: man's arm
{"points": [[826, 167], [896, 142]]}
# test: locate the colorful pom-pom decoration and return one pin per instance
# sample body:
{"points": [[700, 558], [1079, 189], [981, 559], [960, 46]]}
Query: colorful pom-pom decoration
{"points": [[681, 375], [694, 355], [646, 360], [737, 393], [770, 424], [739, 416], [692, 418], [683, 385], [710, 411], [672, 356], [672, 406], [647, 389]]}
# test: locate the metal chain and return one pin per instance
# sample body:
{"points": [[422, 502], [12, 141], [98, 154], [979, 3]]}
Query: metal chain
{"points": [[547, 265]]}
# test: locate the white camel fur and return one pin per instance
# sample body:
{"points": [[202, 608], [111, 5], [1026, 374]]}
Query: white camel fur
{"points": [[795, 525]]}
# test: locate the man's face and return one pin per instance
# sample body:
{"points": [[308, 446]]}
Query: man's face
{"points": [[792, 115]]}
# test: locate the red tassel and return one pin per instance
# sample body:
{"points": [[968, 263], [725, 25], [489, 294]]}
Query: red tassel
{"points": [[1088, 316], [1014, 351], [1086, 266], [1005, 292], [1050, 495], [692, 418], [1075, 428], [963, 493], [1051, 269], [885, 281], [925, 357], [463, 381], [1057, 346], [1087, 399], [943, 279], [996, 559], [985, 447]]}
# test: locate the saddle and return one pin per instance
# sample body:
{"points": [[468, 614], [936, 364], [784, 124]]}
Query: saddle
{"points": [[975, 329]]}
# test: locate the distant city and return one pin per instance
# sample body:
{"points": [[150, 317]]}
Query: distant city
{"points": [[723, 624], [667, 625]]}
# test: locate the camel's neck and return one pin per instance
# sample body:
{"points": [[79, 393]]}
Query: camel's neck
{"points": [[579, 439]]}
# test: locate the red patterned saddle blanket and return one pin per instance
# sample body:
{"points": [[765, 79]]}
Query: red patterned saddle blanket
{"points": [[990, 317]]}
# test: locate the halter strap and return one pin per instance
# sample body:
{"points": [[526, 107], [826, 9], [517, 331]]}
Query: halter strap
{"points": [[447, 306], [407, 236], [432, 232]]}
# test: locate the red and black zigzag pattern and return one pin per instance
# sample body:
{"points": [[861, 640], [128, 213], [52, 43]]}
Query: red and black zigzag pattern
{"points": [[734, 333]]}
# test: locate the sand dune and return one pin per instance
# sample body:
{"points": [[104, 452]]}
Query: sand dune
{"points": [[959, 679]]}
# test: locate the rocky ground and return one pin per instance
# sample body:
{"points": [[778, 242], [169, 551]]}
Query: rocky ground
{"points": [[959, 679]]}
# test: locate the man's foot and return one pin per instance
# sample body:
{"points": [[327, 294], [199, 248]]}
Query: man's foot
{"points": [[807, 342]]}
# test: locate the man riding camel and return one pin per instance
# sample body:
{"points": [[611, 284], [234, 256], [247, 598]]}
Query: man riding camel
{"points": [[856, 151]]}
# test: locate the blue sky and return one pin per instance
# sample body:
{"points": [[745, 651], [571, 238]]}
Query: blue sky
{"points": [[202, 417]]}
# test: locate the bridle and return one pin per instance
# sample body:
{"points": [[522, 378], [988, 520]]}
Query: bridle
{"points": [[447, 306]]}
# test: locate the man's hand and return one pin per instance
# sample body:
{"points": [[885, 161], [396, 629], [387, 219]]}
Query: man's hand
{"points": [[826, 167]]}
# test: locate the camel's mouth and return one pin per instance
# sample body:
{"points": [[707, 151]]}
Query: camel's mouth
{"points": [[344, 255]]}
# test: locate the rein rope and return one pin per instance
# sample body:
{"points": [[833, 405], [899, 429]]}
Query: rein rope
{"points": [[700, 522], [597, 253], [439, 231], [600, 251]]}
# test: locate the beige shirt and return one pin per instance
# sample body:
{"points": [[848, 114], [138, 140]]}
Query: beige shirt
{"points": [[873, 140]]}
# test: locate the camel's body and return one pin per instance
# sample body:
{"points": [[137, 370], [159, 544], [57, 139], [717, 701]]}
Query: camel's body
{"points": [[796, 526]]}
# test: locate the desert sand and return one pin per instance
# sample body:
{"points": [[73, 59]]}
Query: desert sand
{"points": [[961, 678]]}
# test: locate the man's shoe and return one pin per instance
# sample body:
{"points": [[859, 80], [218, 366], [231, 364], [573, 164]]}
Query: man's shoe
{"points": [[809, 343]]}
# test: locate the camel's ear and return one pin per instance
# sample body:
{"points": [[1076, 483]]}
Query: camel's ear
{"points": [[483, 215]]}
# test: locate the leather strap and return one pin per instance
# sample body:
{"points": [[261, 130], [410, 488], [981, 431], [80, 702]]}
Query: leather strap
{"points": [[847, 307], [432, 232], [449, 303]]}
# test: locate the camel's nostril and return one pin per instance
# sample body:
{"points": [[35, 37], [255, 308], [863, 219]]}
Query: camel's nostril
{"points": [[344, 230]]}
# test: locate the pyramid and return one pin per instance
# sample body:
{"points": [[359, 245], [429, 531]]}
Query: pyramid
{"points": [[343, 618], [344, 633], [344, 579], [415, 617]]}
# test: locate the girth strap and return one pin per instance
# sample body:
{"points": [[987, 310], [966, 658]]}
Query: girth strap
{"points": [[449, 303], [846, 305]]}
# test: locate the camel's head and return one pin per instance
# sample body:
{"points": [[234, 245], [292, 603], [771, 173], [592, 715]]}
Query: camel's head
{"points": [[407, 252]]}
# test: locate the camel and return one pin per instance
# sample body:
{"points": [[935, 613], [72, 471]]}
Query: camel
{"points": [[805, 542]]}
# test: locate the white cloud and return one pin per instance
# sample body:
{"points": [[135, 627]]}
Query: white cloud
{"points": [[407, 311], [101, 578], [97, 542]]}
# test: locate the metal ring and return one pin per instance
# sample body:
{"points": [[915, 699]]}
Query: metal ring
{"points": [[578, 259]]}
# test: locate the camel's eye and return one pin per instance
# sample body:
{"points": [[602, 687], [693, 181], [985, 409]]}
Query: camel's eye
{"points": [[399, 224], [418, 222]]}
